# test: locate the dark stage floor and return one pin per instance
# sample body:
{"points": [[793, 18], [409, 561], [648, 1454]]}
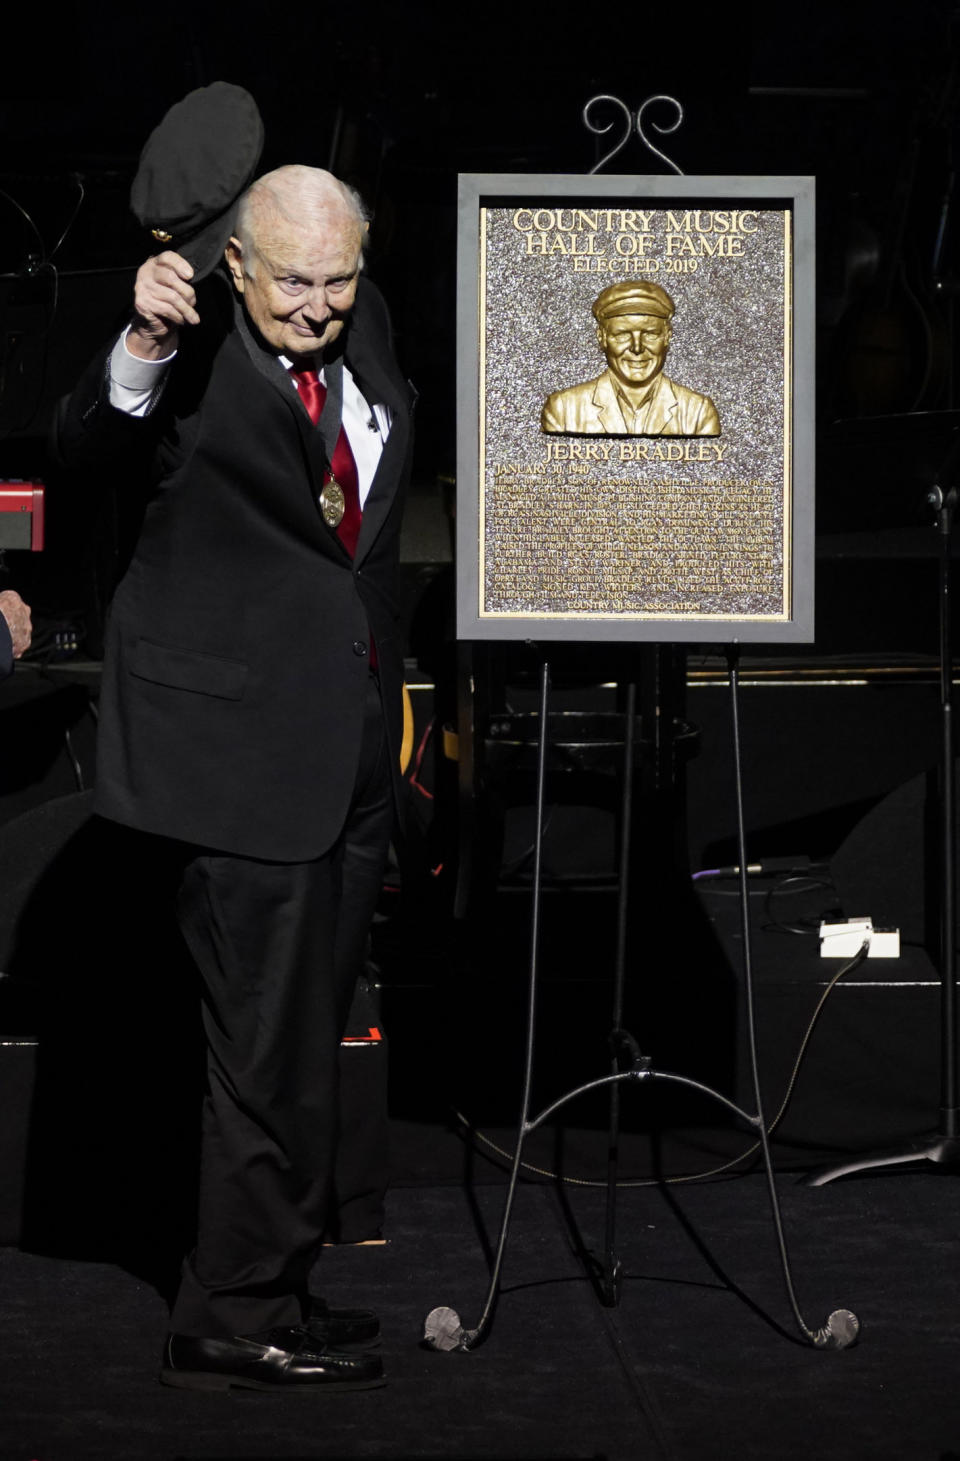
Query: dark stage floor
{"points": [[699, 1363]]}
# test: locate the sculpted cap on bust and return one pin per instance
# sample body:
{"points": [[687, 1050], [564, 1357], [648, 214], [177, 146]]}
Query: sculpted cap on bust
{"points": [[633, 297]]}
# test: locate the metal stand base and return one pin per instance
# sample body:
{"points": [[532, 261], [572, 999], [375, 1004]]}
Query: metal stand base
{"points": [[443, 1328], [945, 1150]]}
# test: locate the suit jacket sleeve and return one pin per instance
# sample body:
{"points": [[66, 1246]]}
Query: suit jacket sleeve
{"points": [[89, 432]]}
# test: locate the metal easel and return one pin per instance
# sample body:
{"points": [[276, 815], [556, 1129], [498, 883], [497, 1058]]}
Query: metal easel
{"points": [[443, 1329]]}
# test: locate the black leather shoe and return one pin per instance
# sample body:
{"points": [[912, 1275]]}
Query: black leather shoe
{"points": [[275, 1359], [341, 1328]]}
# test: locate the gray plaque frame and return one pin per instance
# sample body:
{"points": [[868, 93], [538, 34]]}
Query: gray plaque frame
{"points": [[797, 194]]}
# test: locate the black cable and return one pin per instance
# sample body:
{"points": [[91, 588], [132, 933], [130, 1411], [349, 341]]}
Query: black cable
{"points": [[842, 1326], [807, 883], [71, 220], [36, 266], [74, 760], [23, 212], [689, 1177]]}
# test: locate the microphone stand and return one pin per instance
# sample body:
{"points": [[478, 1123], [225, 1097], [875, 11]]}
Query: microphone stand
{"points": [[942, 1145]]}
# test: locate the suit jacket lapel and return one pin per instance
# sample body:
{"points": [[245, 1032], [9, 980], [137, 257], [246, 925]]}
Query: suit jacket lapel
{"points": [[376, 372], [662, 408], [372, 364], [605, 399], [386, 480], [277, 379], [266, 364]]}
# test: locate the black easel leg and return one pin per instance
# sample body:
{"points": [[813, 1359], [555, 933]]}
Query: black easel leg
{"points": [[610, 1280], [442, 1327]]}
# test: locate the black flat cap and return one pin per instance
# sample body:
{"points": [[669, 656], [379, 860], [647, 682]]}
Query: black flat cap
{"points": [[194, 168]]}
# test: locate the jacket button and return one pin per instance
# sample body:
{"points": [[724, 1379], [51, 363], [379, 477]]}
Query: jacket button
{"points": [[359, 648]]}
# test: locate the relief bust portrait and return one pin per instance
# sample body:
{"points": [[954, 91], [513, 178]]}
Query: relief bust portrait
{"points": [[633, 396]]}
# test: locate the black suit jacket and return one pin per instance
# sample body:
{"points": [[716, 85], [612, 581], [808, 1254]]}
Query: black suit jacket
{"points": [[237, 654], [6, 649]]}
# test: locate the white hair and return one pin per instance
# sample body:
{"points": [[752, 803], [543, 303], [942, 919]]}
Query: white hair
{"points": [[304, 197]]}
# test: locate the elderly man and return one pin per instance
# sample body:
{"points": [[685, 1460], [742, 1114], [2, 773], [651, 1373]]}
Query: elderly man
{"points": [[14, 630], [632, 397], [251, 716]]}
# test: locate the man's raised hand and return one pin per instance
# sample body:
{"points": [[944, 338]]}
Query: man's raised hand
{"points": [[163, 301]]}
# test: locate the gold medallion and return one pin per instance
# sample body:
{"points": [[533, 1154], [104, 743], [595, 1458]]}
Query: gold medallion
{"points": [[332, 503]]}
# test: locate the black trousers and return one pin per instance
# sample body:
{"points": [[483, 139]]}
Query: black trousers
{"points": [[279, 947]]}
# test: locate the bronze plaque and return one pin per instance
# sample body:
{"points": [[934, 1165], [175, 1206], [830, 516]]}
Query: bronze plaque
{"points": [[636, 399]]}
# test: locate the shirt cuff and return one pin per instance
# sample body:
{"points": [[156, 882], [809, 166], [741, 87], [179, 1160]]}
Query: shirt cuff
{"points": [[133, 381]]}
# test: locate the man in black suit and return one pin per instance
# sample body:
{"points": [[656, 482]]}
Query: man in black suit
{"points": [[14, 630], [251, 715]]}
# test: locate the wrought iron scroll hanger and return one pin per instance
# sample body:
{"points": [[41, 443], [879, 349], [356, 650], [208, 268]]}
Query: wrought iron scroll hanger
{"points": [[631, 120]]}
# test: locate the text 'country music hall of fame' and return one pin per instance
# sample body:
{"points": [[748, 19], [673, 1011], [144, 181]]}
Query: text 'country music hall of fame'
{"points": [[635, 383]]}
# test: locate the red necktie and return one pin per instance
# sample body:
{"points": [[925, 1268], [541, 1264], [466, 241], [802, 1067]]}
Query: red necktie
{"points": [[343, 468]]}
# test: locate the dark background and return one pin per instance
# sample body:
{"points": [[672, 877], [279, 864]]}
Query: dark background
{"points": [[398, 100]]}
